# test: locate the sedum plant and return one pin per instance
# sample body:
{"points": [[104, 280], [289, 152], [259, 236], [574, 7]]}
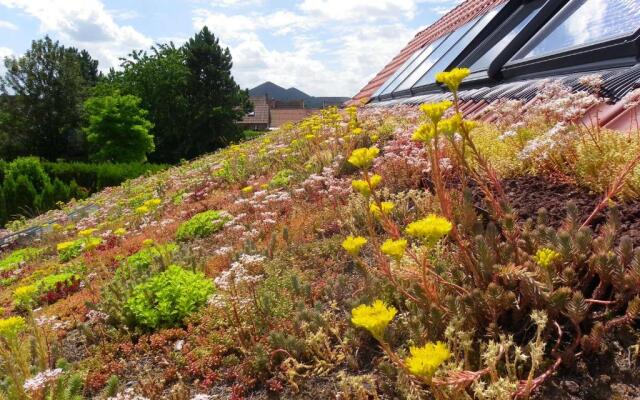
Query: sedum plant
{"points": [[201, 225], [166, 299], [496, 277]]}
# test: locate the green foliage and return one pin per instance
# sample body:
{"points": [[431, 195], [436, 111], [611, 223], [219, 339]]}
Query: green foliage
{"points": [[118, 129], [249, 134], [17, 257], [133, 271], [47, 86], [282, 178], [167, 298], [96, 177], [201, 225]]}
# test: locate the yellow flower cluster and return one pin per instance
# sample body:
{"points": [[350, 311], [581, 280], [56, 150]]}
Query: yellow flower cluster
{"points": [[394, 248], [120, 232], [92, 243], [152, 203], [87, 232], [453, 78], [247, 189], [11, 327], [62, 246], [374, 318], [365, 188], [435, 111], [425, 133], [424, 361], [385, 209], [24, 295], [142, 210], [429, 229], [546, 257], [353, 245], [148, 242], [363, 157]]}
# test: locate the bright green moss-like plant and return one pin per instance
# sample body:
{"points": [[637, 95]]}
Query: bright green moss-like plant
{"points": [[13, 260], [281, 179], [167, 298], [201, 225]]}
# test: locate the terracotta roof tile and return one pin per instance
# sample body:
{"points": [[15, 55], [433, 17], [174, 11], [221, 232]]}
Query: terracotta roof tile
{"points": [[281, 116], [260, 113], [454, 19]]}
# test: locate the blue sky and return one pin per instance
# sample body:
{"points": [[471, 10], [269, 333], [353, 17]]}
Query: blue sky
{"points": [[323, 47]]}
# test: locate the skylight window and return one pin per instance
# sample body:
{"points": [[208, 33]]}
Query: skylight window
{"points": [[445, 61], [510, 30], [435, 56], [584, 22], [408, 67]]}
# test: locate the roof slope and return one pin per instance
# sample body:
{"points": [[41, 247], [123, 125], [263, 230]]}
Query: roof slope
{"points": [[454, 19], [260, 113]]}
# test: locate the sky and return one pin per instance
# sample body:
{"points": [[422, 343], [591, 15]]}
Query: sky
{"points": [[323, 47]]}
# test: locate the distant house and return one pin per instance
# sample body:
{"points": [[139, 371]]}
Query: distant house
{"points": [[258, 119], [271, 114]]}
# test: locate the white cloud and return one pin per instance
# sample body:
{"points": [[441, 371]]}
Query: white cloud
{"points": [[4, 52], [338, 45], [85, 24], [8, 25]]}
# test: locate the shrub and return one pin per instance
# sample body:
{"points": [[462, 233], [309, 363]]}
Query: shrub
{"points": [[201, 225], [167, 298], [69, 250]]}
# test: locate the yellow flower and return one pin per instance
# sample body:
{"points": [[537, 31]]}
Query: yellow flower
{"points": [[142, 210], [153, 203], [24, 295], [120, 232], [454, 78], [394, 248], [92, 243], [374, 318], [57, 227], [546, 257], [309, 136], [425, 133], [87, 232], [429, 229], [364, 188], [424, 361], [374, 138], [148, 242], [354, 245], [385, 208], [11, 327], [64, 245], [450, 126], [435, 111], [357, 131], [247, 189], [363, 157]]}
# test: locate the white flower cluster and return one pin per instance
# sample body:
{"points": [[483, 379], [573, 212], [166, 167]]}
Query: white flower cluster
{"points": [[540, 147], [39, 381], [592, 81], [128, 394], [631, 99], [239, 274], [325, 186], [557, 102], [95, 317]]}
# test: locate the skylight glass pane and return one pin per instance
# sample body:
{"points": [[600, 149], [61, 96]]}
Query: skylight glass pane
{"points": [[434, 56], [407, 67], [444, 61], [423, 54], [584, 22], [525, 15]]}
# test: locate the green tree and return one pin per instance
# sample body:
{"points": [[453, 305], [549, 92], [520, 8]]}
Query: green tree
{"points": [[159, 79], [216, 102], [25, 195], [118, 130], [46, 87]]}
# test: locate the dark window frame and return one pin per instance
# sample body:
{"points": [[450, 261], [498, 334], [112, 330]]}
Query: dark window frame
{"points": [[609, 53]]}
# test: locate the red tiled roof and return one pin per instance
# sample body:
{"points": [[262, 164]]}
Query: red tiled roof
{"points": [[454, 19], [260, 114], [281, 116]]}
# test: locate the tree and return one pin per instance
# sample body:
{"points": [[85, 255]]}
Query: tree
{"points": [[215, 100], [46, 87], [118, 129], [158, 78]]}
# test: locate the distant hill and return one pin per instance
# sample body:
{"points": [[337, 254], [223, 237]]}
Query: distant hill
{"points": [[279, 93]]}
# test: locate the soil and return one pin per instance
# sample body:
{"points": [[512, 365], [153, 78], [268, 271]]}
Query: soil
{"points": [[528, 194]]}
